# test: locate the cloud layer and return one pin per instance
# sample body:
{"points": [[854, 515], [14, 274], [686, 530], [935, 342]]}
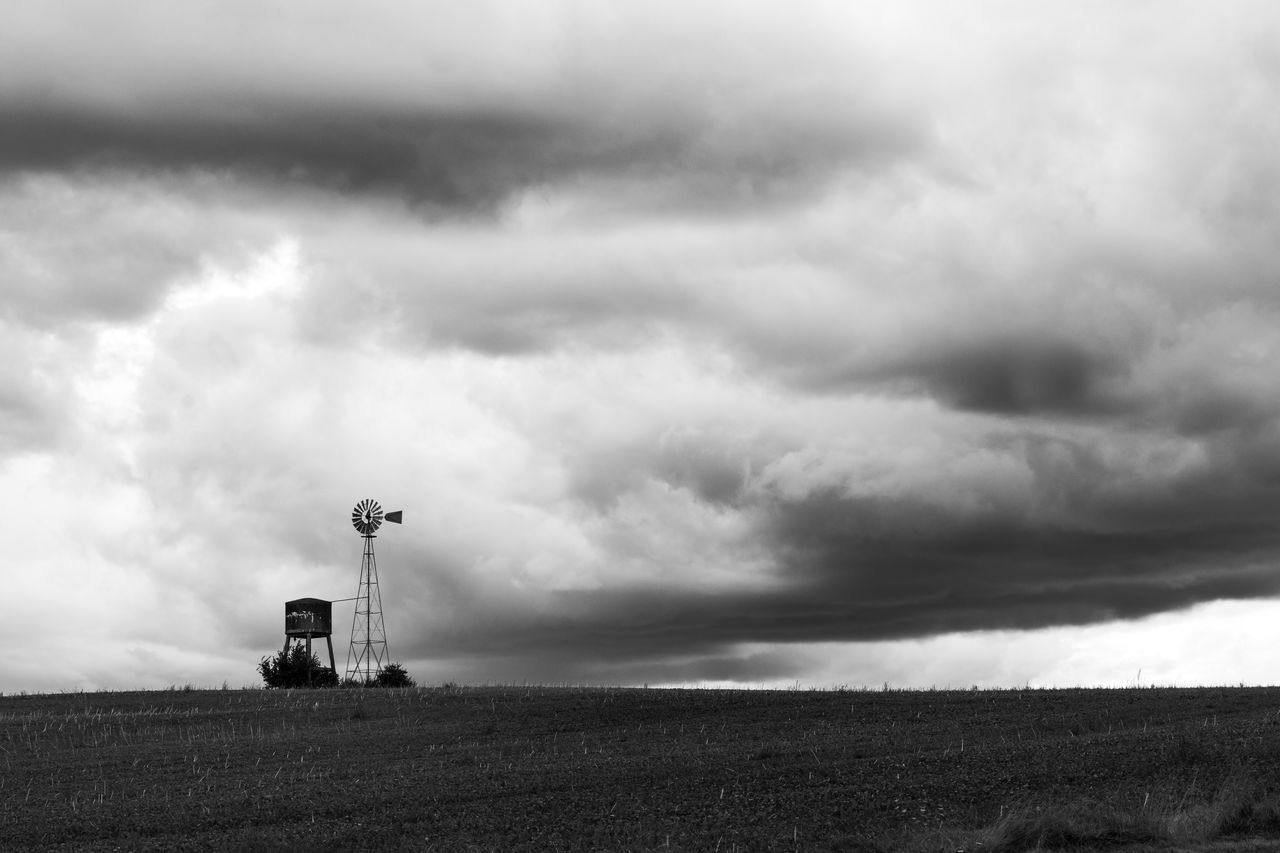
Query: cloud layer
{"points": [[684, 340]]}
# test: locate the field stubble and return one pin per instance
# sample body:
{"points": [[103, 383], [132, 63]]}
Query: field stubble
{"points": [[543, 768]]}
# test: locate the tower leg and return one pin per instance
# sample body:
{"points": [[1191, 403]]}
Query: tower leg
{"points": [[285, 647], [332, 665]]}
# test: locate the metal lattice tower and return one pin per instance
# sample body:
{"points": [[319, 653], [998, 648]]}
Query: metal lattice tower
{"points": [[368, 652]]}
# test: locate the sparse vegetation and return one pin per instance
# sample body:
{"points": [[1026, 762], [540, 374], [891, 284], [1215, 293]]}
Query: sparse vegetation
{"points": [[1242, 810], [531, 768]]}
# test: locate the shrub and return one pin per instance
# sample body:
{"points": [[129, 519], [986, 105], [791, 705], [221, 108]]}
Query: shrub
{"points": [[293, 667], [393, 675]]}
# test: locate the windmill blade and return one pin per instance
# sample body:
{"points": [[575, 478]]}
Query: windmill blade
{"points": [[367, 516]]}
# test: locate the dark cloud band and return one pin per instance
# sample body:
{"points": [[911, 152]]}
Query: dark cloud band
{"points": [[455, 159]]}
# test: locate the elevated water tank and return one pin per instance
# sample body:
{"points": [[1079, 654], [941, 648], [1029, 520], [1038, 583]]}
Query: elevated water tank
{"points": [[308, 617]]}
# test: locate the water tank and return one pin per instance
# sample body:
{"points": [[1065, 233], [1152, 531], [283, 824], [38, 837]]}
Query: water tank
{"points": [[308, 617]]}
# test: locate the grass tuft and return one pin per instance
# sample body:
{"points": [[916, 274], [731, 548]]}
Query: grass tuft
{"points": [[1087, 823], [1240, 808]]}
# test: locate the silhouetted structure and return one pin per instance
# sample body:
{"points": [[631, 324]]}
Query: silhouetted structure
{"points": [[305, 618], [368, 633]]}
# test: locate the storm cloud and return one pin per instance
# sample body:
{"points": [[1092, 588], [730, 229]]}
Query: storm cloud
{"points": [[688, 340]]}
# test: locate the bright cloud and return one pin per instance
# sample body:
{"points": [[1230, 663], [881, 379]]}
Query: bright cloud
{"points": [[697, 345]]}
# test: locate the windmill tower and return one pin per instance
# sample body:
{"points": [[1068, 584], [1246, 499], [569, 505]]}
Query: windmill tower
{"points": [[368, 650]]}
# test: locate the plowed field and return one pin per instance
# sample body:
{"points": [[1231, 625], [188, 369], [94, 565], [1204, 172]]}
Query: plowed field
{"points": [[538, 768]]}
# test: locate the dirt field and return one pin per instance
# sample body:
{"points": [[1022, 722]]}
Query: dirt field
{"points": [[536, 768]]}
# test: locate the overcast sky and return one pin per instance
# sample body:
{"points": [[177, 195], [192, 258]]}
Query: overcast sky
{"points": [[710, 343]]}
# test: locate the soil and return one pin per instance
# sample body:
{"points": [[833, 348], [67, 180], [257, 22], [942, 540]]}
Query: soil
{"points": [[540, 768]]}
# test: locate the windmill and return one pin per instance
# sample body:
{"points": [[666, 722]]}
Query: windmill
{"points": [[368, 650]]}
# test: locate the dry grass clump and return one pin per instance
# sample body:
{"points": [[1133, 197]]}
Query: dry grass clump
{"points": [[1088, 824], [1240, 809]]}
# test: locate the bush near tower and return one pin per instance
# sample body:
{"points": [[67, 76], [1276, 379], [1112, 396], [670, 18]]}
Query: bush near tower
{"points": [[393, 675], [293, 667], [288, 668]]}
